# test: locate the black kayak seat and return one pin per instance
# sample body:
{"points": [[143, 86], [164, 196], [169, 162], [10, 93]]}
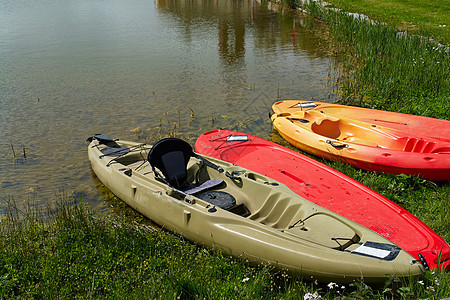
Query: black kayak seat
{"points": [[171, 157]]}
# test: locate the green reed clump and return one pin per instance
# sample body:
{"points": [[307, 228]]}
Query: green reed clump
{"points": [[386, 69]]}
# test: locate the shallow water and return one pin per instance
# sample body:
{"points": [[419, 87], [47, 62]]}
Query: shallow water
{"points": [[140, 70]]}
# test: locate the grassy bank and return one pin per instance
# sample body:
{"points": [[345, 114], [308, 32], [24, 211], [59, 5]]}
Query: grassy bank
{"points": [[429, 18], [69, 253], [385, 69]]}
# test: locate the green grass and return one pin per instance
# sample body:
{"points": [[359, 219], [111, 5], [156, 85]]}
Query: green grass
{"points": [[420, 17], [74, 255], [384, 70], [68, 252], [427, 18]]}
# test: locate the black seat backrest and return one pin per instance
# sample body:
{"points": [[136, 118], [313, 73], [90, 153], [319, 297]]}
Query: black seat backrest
{"points": [[171, 156]]}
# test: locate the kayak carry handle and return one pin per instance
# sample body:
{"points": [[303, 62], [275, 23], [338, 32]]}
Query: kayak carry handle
{"points": [[233, 174], [330, 142]]}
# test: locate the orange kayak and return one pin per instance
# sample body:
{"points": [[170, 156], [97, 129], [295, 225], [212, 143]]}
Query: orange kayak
{"points": [[369, 139]]}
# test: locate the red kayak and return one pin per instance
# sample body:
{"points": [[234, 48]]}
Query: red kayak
{"points": [[330, 189]]}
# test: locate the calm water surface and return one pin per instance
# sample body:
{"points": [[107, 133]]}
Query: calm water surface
{"points": [[139, 70]]}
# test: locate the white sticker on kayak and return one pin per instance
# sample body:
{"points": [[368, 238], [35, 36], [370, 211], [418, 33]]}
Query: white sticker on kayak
{"points": [[375, 252], [307, 104], [237, 138]]}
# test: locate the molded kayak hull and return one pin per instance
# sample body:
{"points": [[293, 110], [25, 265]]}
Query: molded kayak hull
{"points": [[368, 139], [281, 229], [328, 188]]}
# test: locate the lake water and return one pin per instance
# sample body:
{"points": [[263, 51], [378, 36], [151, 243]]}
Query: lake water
{"points": [[140, 70]]}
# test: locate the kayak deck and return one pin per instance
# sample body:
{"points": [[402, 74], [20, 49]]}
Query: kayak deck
{"points": [[276, 227]]}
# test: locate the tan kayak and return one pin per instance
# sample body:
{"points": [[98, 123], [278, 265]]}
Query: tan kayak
{"points": [[243, 213]]}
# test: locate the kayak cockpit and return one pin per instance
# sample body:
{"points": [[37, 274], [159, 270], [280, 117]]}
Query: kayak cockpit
{"points": [[346, 130]]}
